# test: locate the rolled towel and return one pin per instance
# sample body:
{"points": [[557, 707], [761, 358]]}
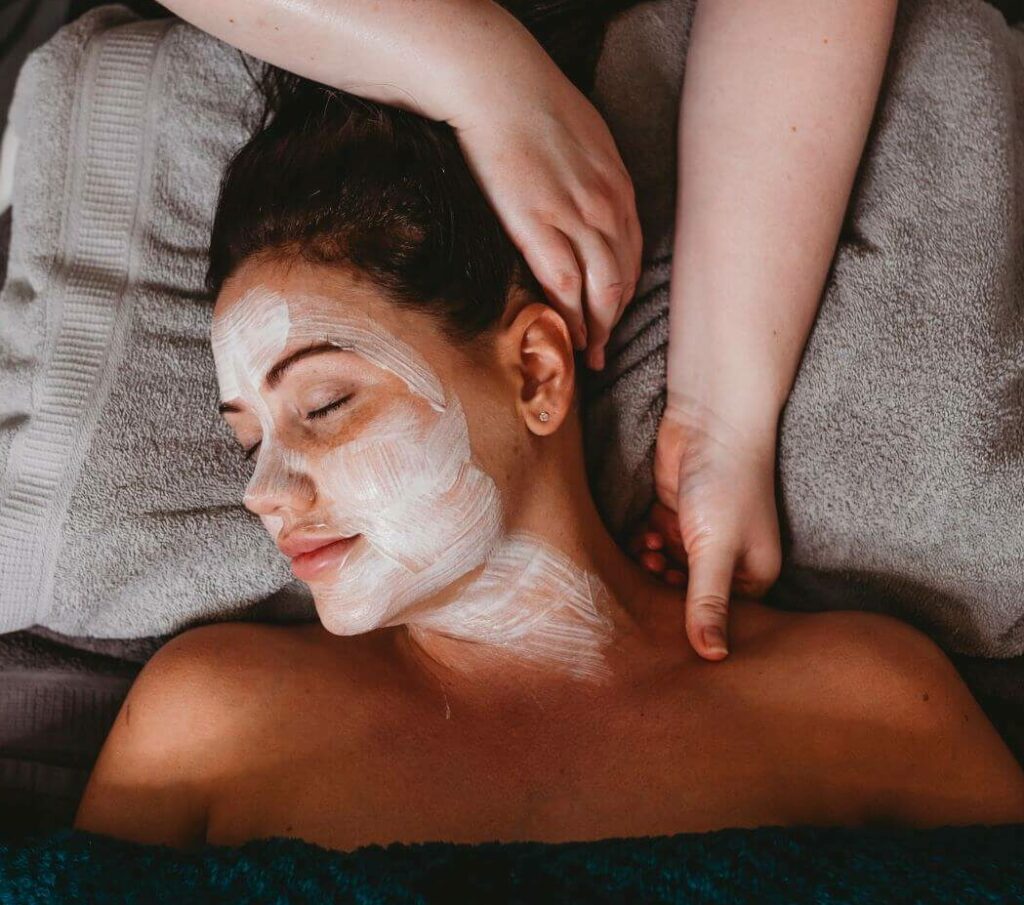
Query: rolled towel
{"points": [[120, 490]]}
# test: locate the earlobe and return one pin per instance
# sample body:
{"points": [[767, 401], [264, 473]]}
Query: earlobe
{"points": [[543, 356]]}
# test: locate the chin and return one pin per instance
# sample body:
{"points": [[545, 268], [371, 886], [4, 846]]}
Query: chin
{"points": [[350, 618]]}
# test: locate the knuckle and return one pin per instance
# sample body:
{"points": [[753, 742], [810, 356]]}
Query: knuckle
{"points": [[567, 281], [624, 180], [598, 209], [709, 608], [612, 293]]}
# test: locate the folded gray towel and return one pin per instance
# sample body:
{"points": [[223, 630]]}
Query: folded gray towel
{"points": [[902, 445], [120, 490]]}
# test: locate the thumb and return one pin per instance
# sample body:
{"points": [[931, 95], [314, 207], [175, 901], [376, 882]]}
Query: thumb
{"points": [[707, 601]]}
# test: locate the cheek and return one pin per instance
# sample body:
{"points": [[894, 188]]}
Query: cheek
{"points": [[403, 457]]}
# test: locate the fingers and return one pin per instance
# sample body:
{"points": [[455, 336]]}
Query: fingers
{"points": [[589, 268], [626, 243], [631, 245], [675, 577], [707, 601], [653, 561], [603, 287], [665, 521], [552, 259], [645, 547], [634, 236], [609, 248], [653, 540]]}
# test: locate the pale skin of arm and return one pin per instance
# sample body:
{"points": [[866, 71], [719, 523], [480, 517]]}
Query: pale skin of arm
{"points": [[776, 107], [539, 150]]}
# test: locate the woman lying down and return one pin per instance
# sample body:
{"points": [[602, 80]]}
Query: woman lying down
{"points": [[487, 663]]}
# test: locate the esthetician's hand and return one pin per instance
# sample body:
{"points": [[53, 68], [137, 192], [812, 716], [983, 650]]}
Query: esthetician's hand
{"points": [[715, 517], [540, 152], [548, 164]]}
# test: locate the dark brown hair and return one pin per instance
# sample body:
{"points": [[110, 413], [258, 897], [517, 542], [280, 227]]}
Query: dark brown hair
{"points": [[339, 180]]}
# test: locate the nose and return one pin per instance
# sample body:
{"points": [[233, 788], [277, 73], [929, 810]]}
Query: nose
{"points": [[280, 482]]}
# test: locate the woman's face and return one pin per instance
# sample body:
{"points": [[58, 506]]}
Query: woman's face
{"points": [[357, 416]]}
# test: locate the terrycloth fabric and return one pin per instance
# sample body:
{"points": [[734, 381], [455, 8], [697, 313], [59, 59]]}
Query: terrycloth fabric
{"points": [[902, 446], [120, 490], [763, 866]]}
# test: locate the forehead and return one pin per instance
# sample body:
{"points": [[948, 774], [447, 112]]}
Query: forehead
{"points": [[264, 316], [308, 291]]}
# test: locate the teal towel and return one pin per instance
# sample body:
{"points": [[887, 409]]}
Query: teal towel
{"points": [[764, 866]]}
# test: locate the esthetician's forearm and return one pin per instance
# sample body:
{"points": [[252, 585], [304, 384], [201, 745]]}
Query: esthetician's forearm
{"points": [[434, 57], [777, 102]]}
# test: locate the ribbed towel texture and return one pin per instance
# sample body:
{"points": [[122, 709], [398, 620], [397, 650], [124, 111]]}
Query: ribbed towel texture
{"points": [[120, 491], [902, 445]]}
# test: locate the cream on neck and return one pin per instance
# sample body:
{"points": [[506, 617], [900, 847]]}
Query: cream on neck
{"points": [[434, 552]]}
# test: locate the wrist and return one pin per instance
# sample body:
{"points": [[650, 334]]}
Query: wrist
{"points": [[720, 373], [742, 420]]}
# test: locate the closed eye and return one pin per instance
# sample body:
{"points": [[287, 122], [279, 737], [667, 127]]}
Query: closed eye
{"points": [[330, 407], [316, 413]]}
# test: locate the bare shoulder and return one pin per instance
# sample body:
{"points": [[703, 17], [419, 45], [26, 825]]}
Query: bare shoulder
{"points": [[191, 717], [222, 681], [205, 674], [905, 735], [216, 659], [881, 660]]}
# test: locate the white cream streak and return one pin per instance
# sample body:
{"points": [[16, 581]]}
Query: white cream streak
{"points": [[534, 603], [430, 520]]}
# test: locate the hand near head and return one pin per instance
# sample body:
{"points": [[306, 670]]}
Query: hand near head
{"points": [[715, 516], [540, 152], [550, 168]]}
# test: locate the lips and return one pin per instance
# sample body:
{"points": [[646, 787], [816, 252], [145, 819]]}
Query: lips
{"points": [[312, 557]]}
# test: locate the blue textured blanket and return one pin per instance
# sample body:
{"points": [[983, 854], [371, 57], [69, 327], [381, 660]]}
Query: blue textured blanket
{"points": [[768, 865]]}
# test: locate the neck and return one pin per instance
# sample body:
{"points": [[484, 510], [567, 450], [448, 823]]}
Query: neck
{"points": [[556, 595]]}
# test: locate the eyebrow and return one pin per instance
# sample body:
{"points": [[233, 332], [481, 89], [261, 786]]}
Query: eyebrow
{"points": [[277, 372]]}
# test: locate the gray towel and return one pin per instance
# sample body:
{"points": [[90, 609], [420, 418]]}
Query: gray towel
{"points": [[120, 490], [902, 445]]}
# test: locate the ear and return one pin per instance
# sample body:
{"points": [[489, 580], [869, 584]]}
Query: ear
{"points": [[540, 351]]}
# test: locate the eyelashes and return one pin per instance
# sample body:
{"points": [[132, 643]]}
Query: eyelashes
{"points": [[321, 412], [330, 407]]}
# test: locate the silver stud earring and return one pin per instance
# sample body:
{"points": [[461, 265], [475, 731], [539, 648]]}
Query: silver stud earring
{"points": [[544, 417]]}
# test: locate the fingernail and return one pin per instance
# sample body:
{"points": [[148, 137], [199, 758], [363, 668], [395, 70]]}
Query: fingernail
{"points": [[714, 640]]}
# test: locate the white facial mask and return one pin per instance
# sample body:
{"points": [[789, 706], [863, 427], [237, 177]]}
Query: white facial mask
{"points": [[427, 516]]}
